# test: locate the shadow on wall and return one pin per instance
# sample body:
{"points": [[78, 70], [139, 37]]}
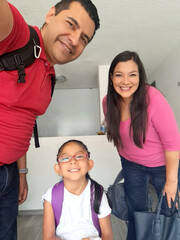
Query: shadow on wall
{"points": [[72, 112]]}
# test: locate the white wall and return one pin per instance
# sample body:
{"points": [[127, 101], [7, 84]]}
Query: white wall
{"points": [[72, 112], [103, 85], [41, 162], [167, 76]]}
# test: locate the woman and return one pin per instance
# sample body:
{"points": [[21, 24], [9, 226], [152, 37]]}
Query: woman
{"points": [[142, 126]]}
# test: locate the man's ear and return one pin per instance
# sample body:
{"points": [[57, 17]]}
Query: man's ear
{"points": [[57, 169], [90, 164], [50, 14]]}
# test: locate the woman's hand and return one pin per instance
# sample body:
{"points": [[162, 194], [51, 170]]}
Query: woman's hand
{"points": [[170, 189], [172, 165]]}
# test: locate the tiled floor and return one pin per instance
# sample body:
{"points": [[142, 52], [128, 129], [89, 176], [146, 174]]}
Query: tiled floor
{"points": [[30, 227]]}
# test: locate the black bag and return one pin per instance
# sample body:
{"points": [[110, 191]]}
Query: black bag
{"points": [[116, 198], [155, 226]]}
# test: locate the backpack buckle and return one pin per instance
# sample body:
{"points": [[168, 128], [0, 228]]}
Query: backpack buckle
{"points": [[20, 67], [21, 73]]}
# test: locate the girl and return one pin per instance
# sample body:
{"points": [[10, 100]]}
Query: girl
{"points": [[142, 126], [76, 221]]}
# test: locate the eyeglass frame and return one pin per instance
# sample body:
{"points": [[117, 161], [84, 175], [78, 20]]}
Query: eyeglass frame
{"points": [[73, 156]]}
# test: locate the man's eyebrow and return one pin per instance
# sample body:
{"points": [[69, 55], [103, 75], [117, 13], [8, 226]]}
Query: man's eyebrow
{"points": [[77, 25], [86, 36], [74, 21]]}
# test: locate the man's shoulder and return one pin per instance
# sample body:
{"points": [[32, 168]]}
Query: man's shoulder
{"points": [[19, 34]]}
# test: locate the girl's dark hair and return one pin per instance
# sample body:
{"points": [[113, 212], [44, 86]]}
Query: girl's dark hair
{"points": [[88, 6], [98, 192], [98, 189], [138, 105], [73, 141]]}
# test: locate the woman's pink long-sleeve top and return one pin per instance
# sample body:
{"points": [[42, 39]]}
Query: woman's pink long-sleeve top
{"points": [[162, 133]]}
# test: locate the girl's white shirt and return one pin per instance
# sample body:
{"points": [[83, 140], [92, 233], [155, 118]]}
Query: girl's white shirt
{"points": [[76, 219]]}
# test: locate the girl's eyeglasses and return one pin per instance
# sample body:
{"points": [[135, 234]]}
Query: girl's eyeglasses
{"points": [[77, 157]]}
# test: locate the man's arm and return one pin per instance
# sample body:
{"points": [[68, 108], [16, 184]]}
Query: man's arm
{"points": [[23, 187], [6, 19]]}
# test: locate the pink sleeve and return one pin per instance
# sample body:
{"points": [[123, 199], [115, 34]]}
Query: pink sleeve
{"points": [[164, 121], [104, 105]]}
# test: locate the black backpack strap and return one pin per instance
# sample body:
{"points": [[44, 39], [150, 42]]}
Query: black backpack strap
{"points": [[36, 137], [20, 59], [53, 82], [23, 57]]}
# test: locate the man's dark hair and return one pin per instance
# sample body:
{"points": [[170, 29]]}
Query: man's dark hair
{"points": [[87, 5]]}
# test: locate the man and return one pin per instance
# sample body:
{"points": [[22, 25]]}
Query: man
{"points": [[69, 26]]}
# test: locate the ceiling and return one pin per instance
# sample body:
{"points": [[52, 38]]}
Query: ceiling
{"points": [[151, 28]]}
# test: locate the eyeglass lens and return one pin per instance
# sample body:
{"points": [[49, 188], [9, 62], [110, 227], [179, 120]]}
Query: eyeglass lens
{"points": [[77, 157]]}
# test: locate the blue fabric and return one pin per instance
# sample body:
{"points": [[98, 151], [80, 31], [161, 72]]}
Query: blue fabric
{"points": [[9, 188], [136, 183], [116, 198]]}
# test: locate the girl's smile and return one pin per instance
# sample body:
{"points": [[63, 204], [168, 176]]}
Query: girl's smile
{"points": [[74, 170], [73, 162]]}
